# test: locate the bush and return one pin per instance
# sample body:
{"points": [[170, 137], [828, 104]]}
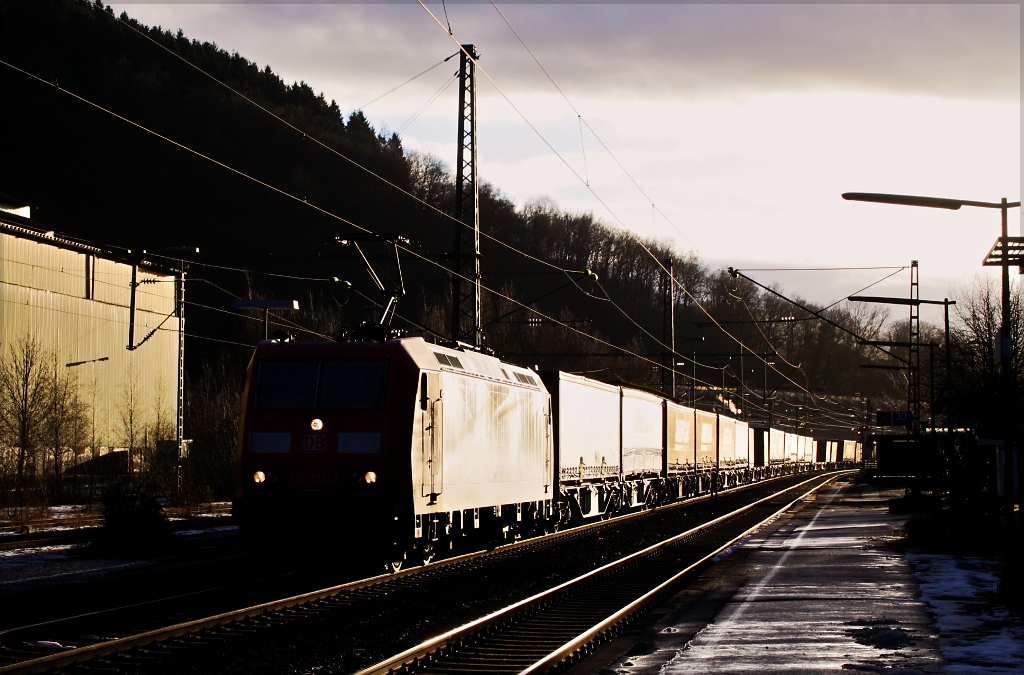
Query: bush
{"points": [[133, 519]]}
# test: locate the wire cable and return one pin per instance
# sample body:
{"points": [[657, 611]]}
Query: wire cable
{"points": [[411, 79], [591, 129], [324, 211], [326, 147], [644, 246], [317, 208], [629, 232]]}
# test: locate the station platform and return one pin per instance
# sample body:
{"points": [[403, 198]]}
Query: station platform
{"points": [[826, 587]]}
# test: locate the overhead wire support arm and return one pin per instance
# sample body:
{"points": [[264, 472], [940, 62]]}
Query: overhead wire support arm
{"points": [[735, 273]]}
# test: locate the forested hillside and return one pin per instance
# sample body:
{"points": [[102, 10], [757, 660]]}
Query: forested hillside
{"points": [[132, 142]]}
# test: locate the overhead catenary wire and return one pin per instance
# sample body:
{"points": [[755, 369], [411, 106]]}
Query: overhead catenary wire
{"points": [[178, 56], [641, 243], [849, 332], [319, 209], [612, 155], [419, 111], [326, 147], [887, 276], [579, 116], [778, 354], [823, 269], [353, 224], [597, 197], [696, 302], [410, 80]]}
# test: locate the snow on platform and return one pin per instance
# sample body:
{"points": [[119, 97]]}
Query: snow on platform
{"points": [[824, 591]]}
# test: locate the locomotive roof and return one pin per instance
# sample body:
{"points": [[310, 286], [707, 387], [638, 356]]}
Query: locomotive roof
{"points": [[424, 356], [435, 357]]}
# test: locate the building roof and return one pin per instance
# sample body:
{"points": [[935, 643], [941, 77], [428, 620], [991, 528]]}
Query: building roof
{"points": [[27, 228]]}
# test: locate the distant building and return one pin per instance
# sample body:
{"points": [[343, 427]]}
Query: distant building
{"points": [[80, 304]]}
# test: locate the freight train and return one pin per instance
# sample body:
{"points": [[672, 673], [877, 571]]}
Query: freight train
{"points": [[400, 450]]}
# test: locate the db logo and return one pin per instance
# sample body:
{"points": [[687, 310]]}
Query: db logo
{"points": [[314, 442]]}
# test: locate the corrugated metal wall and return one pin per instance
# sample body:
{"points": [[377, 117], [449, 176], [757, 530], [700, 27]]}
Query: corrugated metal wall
{"points": [[77, 306]]}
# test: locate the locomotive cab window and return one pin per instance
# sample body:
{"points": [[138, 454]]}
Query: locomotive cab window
{"points": [[354, 385], [283, 385]]}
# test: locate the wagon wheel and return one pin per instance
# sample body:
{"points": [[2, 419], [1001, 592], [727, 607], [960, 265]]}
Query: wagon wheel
{"points": [[427, 553], [563, 519], [651, 499], [396, 561]]}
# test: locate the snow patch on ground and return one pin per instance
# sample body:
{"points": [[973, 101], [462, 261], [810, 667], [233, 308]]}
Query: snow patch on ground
{"points": [[25, 556], [51, 562], [976, 635], [208, 530]]}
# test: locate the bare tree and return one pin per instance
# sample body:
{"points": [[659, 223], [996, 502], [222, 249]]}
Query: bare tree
{"points": [[24, 386], [132, 425], [162, 453], [975, 332], [66, 420], [212, 410]]}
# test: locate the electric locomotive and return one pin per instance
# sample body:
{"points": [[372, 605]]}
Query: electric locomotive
{"points": [[391, 448]]}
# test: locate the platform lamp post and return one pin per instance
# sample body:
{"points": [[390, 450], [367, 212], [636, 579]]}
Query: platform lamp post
{"points": [[266, 306], [1007, 251]]}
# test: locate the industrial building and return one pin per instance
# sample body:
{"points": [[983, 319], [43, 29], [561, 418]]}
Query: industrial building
{"points": [[107, 323]]}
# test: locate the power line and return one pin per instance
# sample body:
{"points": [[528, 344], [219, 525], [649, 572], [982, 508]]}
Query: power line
{"points": [[304, 201], [591, 129], [411, 79], [647, 250], [641, 243], [315, 140], [352, 224]]}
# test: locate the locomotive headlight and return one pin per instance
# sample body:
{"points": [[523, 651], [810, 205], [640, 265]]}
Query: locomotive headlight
{"points": [[259, 477], [370, 477], [316, 425]]}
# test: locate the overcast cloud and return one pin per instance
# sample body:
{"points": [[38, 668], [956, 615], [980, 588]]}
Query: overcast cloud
{"points": [[947, 50], [743, 123]]}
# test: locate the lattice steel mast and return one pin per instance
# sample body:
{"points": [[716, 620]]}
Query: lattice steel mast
{"points": [[467, 325], [914, 357]]}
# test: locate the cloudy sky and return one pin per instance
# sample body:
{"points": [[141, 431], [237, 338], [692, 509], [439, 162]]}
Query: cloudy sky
{"points": [[730, 129]]}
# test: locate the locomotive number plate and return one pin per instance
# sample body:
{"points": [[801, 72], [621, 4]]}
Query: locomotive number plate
{"points": [[314, 442]]}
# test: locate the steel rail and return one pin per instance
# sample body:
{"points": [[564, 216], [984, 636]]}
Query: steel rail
{"points": [[581, 643], [75, 655], [105, 648], [426, 651]]}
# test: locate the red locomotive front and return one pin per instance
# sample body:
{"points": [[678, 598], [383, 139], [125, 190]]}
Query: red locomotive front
{"points": [[323, 450]]}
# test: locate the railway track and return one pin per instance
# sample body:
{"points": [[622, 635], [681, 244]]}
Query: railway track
{"points": [[563, 624], [113, 641]]}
